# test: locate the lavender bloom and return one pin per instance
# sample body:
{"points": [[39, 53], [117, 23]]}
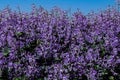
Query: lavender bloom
{"points": [[51, 45]]}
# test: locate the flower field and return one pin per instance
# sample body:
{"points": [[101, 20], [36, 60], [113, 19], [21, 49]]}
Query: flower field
{"points": [[56, 45]]}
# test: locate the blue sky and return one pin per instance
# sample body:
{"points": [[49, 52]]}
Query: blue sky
{"points": [[85, 6]]}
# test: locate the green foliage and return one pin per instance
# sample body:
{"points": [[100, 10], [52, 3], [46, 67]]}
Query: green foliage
{"points": [[111, 78], [6, 51], [20, 34], [20, 78], [31, 46]]}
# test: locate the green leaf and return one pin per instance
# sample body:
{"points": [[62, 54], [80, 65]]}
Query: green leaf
{"points": [[83, 48], [104, 72], [93, 45], [20, 78], [16, 79], [96, 66], [31, 46], [65, 66], [20, 34], [41, 79], [111, 78], [102, 51], [6, 51], [38, 42]]}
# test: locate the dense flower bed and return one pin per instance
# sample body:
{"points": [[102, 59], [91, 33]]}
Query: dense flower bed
{"points": [[53, 45]]}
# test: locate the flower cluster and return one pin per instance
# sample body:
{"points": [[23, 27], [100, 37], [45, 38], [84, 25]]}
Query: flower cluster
{"points": [[52, 45]]}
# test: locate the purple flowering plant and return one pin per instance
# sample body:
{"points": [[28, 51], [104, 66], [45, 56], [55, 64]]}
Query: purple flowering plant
{"points": [[52, 45]]}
